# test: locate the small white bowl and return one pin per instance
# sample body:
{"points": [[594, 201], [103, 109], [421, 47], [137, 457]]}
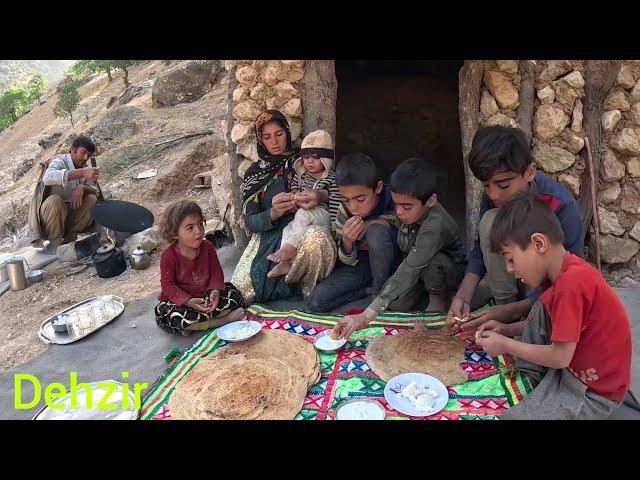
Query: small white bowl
{"points": [[378, 413], [321, 335]]}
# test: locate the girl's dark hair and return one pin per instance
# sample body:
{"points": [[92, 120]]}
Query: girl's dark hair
{"points": [[174, 215], [498, 149]]}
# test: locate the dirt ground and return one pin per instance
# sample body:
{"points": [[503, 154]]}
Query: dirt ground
{"points": [[123, 159], [63, 286], [119, 161]]}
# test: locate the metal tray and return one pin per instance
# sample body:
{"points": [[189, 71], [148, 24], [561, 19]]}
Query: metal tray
{"points": [[83, 413], [48, 335]]}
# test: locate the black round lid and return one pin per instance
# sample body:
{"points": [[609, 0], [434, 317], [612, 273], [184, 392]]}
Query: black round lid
{"points": [[122, 216]]}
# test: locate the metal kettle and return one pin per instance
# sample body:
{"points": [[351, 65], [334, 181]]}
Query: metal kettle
{"points": [[139, 259]]}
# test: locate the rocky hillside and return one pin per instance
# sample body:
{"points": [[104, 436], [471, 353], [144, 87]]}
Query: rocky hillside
{"points": [[170, 119], [15, 72]]}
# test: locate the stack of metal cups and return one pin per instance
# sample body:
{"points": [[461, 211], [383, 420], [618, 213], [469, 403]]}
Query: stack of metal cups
{"points": [[16, 273]]}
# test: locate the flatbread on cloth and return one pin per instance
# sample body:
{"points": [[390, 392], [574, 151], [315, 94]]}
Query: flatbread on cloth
{"points": [[419, 351]]}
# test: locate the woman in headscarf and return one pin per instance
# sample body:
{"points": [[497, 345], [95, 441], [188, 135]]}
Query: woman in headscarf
{"points": [[267, 207]]}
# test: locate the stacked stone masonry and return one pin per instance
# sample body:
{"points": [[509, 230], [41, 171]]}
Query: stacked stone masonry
{"points": [[558, 138], [558, 134], [264, 84]]}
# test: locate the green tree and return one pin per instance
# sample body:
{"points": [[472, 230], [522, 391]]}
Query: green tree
{"points": [[68, 99], [124, 66], [37, 87], [5, 116], [5, 120], [13, 101], [80, 69], [103, 66]]}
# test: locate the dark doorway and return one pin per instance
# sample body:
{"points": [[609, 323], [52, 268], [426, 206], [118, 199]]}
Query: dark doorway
{"points": [[393, 110]]}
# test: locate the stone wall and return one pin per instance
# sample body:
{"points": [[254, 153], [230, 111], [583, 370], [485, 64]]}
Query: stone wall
{"points": [[264, 84], [619, 195], [558, 138], [558, 135], [499, 96]]}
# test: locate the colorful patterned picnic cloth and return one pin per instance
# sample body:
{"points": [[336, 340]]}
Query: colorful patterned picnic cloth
{"points": [[493, 386]]}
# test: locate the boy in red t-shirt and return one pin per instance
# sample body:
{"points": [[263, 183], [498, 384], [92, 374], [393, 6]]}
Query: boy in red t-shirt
{"points": [[194, 295], [576, 342]]}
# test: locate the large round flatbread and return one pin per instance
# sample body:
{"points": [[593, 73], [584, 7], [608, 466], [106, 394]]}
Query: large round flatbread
{"points": [[239, 388], [420, 351], [291, 349]]}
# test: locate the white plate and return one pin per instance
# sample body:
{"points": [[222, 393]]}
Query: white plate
{"points": [[403, 405], [226, 332]]}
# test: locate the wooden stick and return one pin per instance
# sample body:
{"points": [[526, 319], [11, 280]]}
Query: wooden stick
{"points": [[596, 214]]}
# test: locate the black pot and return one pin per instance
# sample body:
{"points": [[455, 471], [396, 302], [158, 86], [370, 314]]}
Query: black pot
{"points": [[87, 246], [109, 263]]}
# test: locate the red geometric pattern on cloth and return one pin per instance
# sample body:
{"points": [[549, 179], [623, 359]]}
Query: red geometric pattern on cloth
{"points": [[355, 355], [492, 404], [445, 416], [478, 370], [313, 402], [388, 408], [390, 331], [322, 396], [163, 414]]}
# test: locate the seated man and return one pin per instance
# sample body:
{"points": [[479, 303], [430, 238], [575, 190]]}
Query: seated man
{"points": [[64, 196]]}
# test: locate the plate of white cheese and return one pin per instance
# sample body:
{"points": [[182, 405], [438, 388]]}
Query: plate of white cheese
{"points": [[416, 394], [239, 331]]}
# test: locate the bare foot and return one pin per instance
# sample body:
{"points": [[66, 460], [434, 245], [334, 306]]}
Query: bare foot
{"points": [[286, 253], [215, 322], [235, 315], [279, 270], [436, 303]]}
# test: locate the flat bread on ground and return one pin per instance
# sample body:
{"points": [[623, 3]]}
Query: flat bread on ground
{"points": [[239, 388], [418, 351], [287, 347]]}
